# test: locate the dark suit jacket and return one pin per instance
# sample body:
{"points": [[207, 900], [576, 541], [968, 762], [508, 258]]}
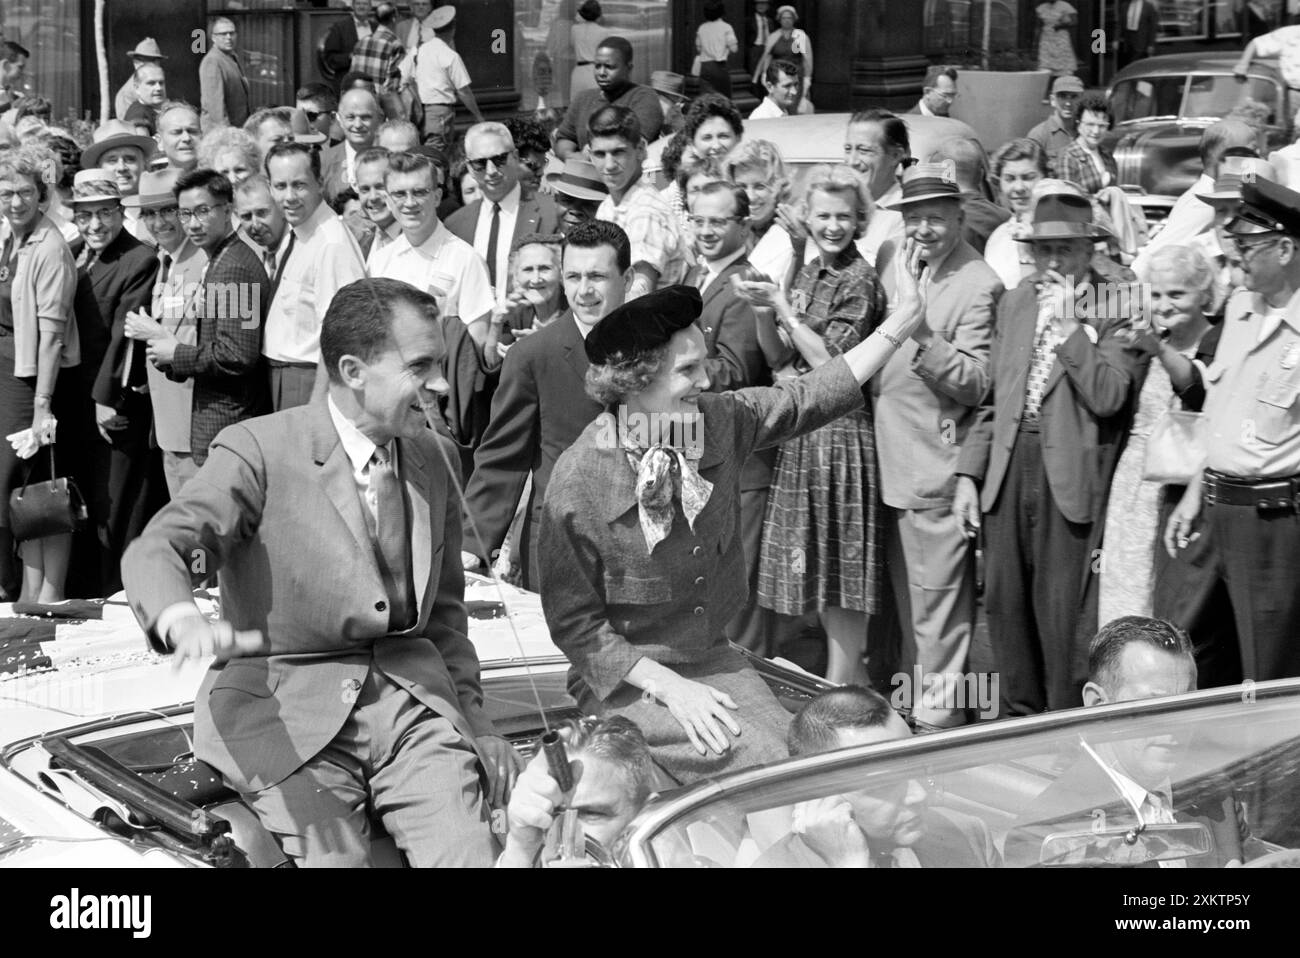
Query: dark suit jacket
{"points": [[736, 357], [224, 90], [332, 176], [1134, 44], [336, 47], [540, 408], [467, 404], [1084, 796], [538, 215], [276, 510], [121, 280], [950, 840], [1086, 408], [226, 363], [982, 218]]}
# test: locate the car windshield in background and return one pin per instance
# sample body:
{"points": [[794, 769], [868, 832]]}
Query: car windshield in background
{"points": [[1213, 784], [1206, 97]]}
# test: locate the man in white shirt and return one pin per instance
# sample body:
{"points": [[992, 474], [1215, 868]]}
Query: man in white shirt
{"points": [[427, 255], [784, 82], [374, 226], [320, 258], [492, 223], [359, 114], [441, 78], [937, 92]]}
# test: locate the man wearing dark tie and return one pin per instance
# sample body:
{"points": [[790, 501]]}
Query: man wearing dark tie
{"points": [[492, 224], [1137, 35], [262, 222], [344, 683], [758, 27]]}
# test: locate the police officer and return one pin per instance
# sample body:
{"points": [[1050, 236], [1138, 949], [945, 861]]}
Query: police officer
{"points": [[1245, 506]]}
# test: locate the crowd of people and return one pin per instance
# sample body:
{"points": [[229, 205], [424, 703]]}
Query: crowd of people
{"points": [[960, 354]]}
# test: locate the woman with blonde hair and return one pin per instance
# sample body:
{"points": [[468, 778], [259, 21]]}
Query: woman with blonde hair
{"points": [[821, 549], [776, 240]]}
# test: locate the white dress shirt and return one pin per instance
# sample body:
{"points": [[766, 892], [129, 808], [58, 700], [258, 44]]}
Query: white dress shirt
{"points": [[360, 450], [445, 266], [767, 110], [715, 39], [439, 73], [714, 268], [505, 235], [325, 257]]}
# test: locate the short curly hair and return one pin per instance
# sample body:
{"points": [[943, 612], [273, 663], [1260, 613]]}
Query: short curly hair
{"points": [[612, 383], [39, 164], [221, 140], [763, 156], [708, 105], [841, 179]]}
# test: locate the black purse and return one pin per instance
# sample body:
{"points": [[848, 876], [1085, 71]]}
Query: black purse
{"points": [[49, 508]]}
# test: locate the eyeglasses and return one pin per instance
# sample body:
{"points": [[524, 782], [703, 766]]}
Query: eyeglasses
{"points": [[480, 166], [199, 212], [1246, 250], [27, 194], [83, 217], [713, 222], [166, 213], [401, 196]]}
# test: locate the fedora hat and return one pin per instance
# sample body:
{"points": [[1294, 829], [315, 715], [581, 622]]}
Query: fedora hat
{"points": [[146, 49], [669, 84], [302, 131], [580, 180], [1062, 211], [114, 134], [928, 181], [94, 186], [1227, 188], [155, 189]]}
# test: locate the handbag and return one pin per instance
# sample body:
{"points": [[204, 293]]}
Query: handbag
{"points": [[1176, 448], [49, 508]]}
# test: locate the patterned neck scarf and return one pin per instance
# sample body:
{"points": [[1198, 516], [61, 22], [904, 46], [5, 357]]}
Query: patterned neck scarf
{"points": [[662, 474]]}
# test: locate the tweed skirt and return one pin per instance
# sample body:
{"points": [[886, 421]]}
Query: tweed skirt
{"points": [[763, 720]]}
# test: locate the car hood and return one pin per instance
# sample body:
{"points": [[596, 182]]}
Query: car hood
{"points": [[1159, 157]]}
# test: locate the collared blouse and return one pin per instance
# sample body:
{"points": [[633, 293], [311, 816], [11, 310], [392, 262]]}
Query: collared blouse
{"points": [[45, 279]]}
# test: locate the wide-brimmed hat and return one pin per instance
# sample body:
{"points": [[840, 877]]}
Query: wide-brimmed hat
{"points": [[302, 130], [442, 16], [928, 181], [1227, 188], [94, 186], [111, 136], [146, 49], [1265, 208], [1064, 212], [580, 180], [669, 84], [155, 189]]}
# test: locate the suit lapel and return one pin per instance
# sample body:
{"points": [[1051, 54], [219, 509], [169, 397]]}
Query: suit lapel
{"points": [[572, 346], [337, 479], [526, 222]]}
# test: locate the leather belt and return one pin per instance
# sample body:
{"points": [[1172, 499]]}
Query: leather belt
{"points": [[1261, 494]]}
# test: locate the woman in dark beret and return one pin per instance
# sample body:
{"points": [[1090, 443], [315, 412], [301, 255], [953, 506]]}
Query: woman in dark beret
{"points": [[641, 556]]}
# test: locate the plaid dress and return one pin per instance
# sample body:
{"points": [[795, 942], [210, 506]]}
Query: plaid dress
{"points": [[822, 532]]}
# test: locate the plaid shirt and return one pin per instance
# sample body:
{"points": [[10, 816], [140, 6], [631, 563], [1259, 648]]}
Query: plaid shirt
{"points": [[651, 228], [379, 56], [1074, 164]]}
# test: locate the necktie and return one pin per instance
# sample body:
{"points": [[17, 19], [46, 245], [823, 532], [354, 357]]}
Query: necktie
{"points": [[160, 287], [1042, 360], [493, 235], [268, 259], [392, 540], [279, 272], [762, 31]]}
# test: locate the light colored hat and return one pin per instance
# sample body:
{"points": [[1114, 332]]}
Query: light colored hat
{"points": [[155, 189], [1067, 84], [146, 49], [114, 134], [1231, 172], [787, 9], [580, 180], [94, 186], [302, 131], [442, 17], [669, 84]]}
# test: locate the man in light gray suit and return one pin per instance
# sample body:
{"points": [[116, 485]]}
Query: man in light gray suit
{"points": [[343, 675], [491, 225], [926, 400]]}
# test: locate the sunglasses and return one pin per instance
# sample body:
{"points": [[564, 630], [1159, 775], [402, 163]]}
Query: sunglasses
{"points": [[480, 166], [313, 115]]}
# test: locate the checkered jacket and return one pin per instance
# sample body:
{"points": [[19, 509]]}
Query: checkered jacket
{"points": [[378, 57], [1075, 165]]}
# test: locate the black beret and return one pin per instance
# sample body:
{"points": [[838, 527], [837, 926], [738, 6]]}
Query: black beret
{"points": [[643, 324], [1266, 207]]}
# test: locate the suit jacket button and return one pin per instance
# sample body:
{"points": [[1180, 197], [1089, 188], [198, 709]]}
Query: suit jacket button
{"points": [[699, 610], [381, 606], [699, 580], [697, 551]]}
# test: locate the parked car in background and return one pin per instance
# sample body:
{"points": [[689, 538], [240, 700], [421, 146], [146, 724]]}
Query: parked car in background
{"points": [[1163, 104]]}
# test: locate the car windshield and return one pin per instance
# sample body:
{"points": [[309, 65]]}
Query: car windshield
{"points": [[1200, 785], [1206, 96]]}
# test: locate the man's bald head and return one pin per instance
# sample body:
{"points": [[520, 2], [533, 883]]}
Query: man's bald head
{"points": [[359, 115]]}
